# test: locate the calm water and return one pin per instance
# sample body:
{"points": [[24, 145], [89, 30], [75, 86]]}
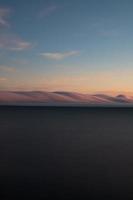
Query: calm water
{"points": [[86, 153]]}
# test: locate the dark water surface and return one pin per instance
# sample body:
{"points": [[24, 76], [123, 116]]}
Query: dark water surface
{"points": [[82, 153]]}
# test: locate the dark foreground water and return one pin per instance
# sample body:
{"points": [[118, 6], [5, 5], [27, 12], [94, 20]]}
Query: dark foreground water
{"points": [[81, 153]]}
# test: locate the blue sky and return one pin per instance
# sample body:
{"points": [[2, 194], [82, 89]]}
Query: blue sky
{"points": [[78, 45]]}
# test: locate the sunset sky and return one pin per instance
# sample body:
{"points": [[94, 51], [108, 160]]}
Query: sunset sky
{"points": [[66, 45]]}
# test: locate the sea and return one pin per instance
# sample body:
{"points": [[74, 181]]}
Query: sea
{"points": [[66, 152]]}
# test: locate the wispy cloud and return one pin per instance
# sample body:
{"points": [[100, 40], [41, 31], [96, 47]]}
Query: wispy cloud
{"points": [[59, 55], [20, 45], [4, 14], [105, 28], [13, 43], [108, 33], [7, 69], [2, 79], [9, 40], [47, 11]]}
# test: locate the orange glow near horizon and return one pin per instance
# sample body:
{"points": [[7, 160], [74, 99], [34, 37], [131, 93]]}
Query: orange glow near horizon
{"points": [[110, 82]]}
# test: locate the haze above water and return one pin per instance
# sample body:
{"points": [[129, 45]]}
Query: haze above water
{"points": [[84, 153]]}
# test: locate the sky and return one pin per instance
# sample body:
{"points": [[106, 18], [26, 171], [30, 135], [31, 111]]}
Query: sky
{"points": [[66, 45]]}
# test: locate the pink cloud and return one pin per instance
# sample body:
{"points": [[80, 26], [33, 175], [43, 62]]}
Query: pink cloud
{"points": [[66, 97]]}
